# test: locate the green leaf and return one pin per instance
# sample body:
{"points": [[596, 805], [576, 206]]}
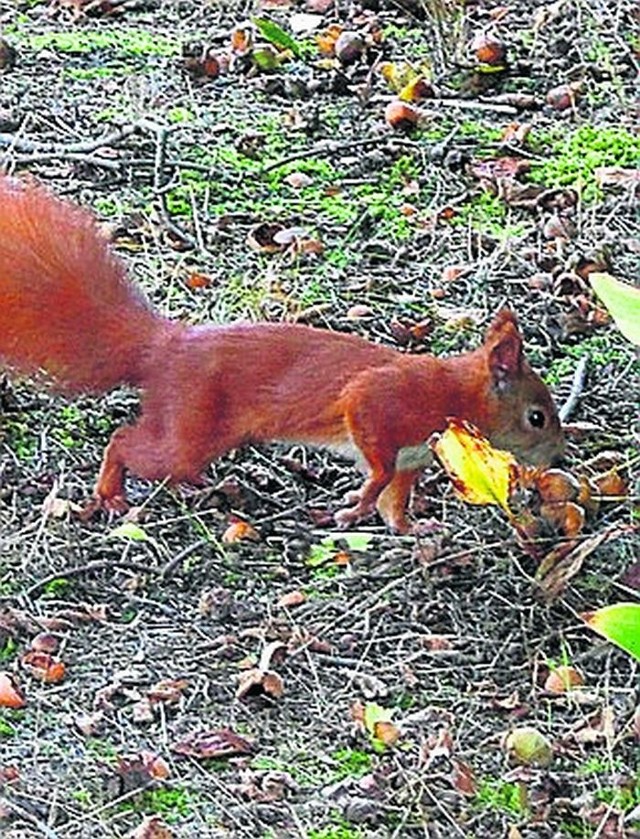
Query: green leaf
{"points": [[265, 59], [130, 531], [357, 541], [277, 36], [619, 623], [328, 547], [622, 301]]}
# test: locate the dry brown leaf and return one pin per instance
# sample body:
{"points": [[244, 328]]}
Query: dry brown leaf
{"points": [[291, 598], [612, 485], [219, 742], [89, 724], [151, 827], [386, 732], [195, 281], [168, 691], [45, 642], [11, 696], [463, 778], [43, 667], [563, 679], [240, 531], [565, 561], [256, 682]]}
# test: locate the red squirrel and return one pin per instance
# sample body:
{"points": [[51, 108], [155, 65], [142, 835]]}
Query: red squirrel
{"points": [[67, 308]]}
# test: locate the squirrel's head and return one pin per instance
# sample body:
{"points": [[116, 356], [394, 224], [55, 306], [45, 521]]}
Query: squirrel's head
{"points": [[521, 415]]}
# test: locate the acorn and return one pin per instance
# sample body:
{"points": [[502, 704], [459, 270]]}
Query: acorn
{"points": [[489, 50], [401, 116], [349, 47]]}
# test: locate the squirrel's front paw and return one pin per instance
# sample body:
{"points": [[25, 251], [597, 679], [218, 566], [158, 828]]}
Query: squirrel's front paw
{"points": [[115, 504]]}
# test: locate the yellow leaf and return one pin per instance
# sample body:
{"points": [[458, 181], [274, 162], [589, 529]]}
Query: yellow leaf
{"points": [[398, 74], [479, 473]]}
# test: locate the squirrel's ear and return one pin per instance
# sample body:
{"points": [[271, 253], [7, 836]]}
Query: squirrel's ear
{"points": [[505, 349], [502, 321]]}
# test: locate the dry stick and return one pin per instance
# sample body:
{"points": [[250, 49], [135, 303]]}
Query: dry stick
{"points": [[37, 152], [331, 147], [30, 817], [15, 142], [80, 570], [162, 134], [577, 386]]}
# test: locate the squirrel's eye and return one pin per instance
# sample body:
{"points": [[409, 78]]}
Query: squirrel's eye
{"points": [[537, 418]]}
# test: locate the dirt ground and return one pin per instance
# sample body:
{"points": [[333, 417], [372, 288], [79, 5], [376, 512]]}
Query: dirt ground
{"points": [[409, 237]]}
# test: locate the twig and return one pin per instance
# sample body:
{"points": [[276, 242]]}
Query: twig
{"points": [[180, 557], [30, 817], [162, 135], [88, 568], [577, 386], [33, 146], [331, 147]]}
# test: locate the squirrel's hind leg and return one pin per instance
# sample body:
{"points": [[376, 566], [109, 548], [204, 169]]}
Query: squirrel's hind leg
{"points": [[178, 445]]}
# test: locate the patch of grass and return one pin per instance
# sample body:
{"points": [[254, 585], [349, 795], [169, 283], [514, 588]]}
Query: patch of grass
{"points": [[572, 159], [102, 749], [341, 830], [70, 427], [621, 798], [88, 74], [600, 349], [172, 804], [8, 650], [56, 588], [180, 115], [596, 765], [488, 213], [500, 796], [351, 763], [6, 729], [20, 438], [107, 207], [123, 42], [486, 135]]}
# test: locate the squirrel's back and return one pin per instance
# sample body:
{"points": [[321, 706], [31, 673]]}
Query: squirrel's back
{"points": [[66, 305]]}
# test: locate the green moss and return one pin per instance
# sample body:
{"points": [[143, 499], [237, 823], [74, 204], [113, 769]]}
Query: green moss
{"points": [[123, 42], [501, 796], [572, 158], [351, 763]]}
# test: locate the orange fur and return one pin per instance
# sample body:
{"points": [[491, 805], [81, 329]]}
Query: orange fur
{"points": [[67, 307]]}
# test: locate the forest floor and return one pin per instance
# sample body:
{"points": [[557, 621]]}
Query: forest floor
{"points": [[390, 672]]}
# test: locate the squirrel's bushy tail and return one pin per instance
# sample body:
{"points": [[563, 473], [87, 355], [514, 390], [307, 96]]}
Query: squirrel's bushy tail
{"points": [[66, 305]]}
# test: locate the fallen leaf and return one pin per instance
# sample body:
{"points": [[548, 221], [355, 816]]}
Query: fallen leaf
{"points": [[259, 682], [151, 827], [528, 746], [563, 679], [623, 302], [43, 667], [240, 531], [216, 743], [619, 623], [291, 598], [617, 176], [377, 720], [564, 562], [480, 474], [11, 696], [196, 280], [168, 691]]}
